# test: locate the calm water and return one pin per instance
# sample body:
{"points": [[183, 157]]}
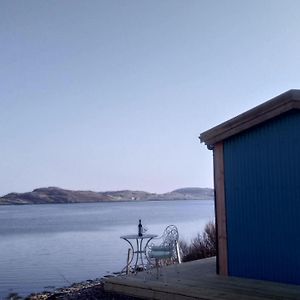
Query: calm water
{"points": [[47, 246]]}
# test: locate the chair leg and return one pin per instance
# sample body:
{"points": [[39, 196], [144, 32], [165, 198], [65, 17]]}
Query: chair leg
{"points": [[177, 272], [157, 268], [165, 274], [178, 253]]}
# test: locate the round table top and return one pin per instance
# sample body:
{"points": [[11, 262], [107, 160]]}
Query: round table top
{"points": [[136, 236]]}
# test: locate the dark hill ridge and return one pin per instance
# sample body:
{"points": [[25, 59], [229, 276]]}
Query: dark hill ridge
{"points": [[57, 195]]}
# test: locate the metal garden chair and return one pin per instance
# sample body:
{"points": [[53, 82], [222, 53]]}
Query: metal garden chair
{"points": [[167, 252]]}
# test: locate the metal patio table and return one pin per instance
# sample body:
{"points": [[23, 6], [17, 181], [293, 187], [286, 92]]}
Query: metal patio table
{"points": [[138, 253]]}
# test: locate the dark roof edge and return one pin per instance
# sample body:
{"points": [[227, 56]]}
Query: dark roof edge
{"points": [[263, 112]]}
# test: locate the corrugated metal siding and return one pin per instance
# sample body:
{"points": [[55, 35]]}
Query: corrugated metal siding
{"points": [[262, 190]]}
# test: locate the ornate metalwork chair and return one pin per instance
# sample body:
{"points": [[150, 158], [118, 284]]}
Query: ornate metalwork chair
{"points": [[167, 252]]}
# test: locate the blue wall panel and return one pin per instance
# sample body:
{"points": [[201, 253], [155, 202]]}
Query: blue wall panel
{"points": [[262, 190]]}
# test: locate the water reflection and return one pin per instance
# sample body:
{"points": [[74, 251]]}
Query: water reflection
{"points": [[55, 245]]}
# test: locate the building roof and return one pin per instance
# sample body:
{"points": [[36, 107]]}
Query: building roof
{"points": [[261, 113]]}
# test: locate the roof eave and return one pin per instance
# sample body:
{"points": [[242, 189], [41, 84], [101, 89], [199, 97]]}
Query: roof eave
{"points": [[261, 113]]}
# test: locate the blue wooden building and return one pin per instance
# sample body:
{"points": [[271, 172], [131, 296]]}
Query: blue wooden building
{"points": [[257, 190]]}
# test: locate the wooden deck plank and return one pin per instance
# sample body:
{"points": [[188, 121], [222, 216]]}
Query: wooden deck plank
{"points": [[198, 280]]}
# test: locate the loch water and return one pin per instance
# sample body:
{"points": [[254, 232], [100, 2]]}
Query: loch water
{"points": [[43, 247]]}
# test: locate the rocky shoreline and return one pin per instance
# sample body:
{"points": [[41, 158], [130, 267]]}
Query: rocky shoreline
{"points": [[87, 290]]}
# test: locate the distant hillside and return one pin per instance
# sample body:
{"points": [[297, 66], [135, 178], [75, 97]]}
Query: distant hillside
{"points": [[186, 194], [57, 195]]}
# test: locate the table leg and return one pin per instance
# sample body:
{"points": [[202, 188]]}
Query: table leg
{"points": [[128, 260], [137, 255]]}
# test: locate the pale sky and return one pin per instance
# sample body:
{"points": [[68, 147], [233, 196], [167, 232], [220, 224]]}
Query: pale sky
{"points": [[109, 95]]}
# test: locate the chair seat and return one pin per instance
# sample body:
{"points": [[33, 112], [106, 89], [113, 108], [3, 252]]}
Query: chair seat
{"points": [[161, 248], [160, 254]]}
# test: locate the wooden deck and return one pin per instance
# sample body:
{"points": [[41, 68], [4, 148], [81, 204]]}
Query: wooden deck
{"points": [[198, 280]]}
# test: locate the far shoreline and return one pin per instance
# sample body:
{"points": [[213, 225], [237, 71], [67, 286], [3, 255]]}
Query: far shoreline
{"points": [[104, 201], [56, 195]]}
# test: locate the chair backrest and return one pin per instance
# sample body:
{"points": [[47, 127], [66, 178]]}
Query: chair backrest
{"points": [[170, 236], [169, 246]]}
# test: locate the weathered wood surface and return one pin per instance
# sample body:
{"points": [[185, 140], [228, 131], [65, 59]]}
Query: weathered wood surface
{"points": [[220, 209], [198, 280]]}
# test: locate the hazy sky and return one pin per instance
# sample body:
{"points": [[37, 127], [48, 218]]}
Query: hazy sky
{"points": [[107, 95]]}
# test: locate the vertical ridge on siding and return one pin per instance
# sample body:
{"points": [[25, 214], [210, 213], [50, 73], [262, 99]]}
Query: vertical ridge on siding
{"points": [[262, 192]]}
